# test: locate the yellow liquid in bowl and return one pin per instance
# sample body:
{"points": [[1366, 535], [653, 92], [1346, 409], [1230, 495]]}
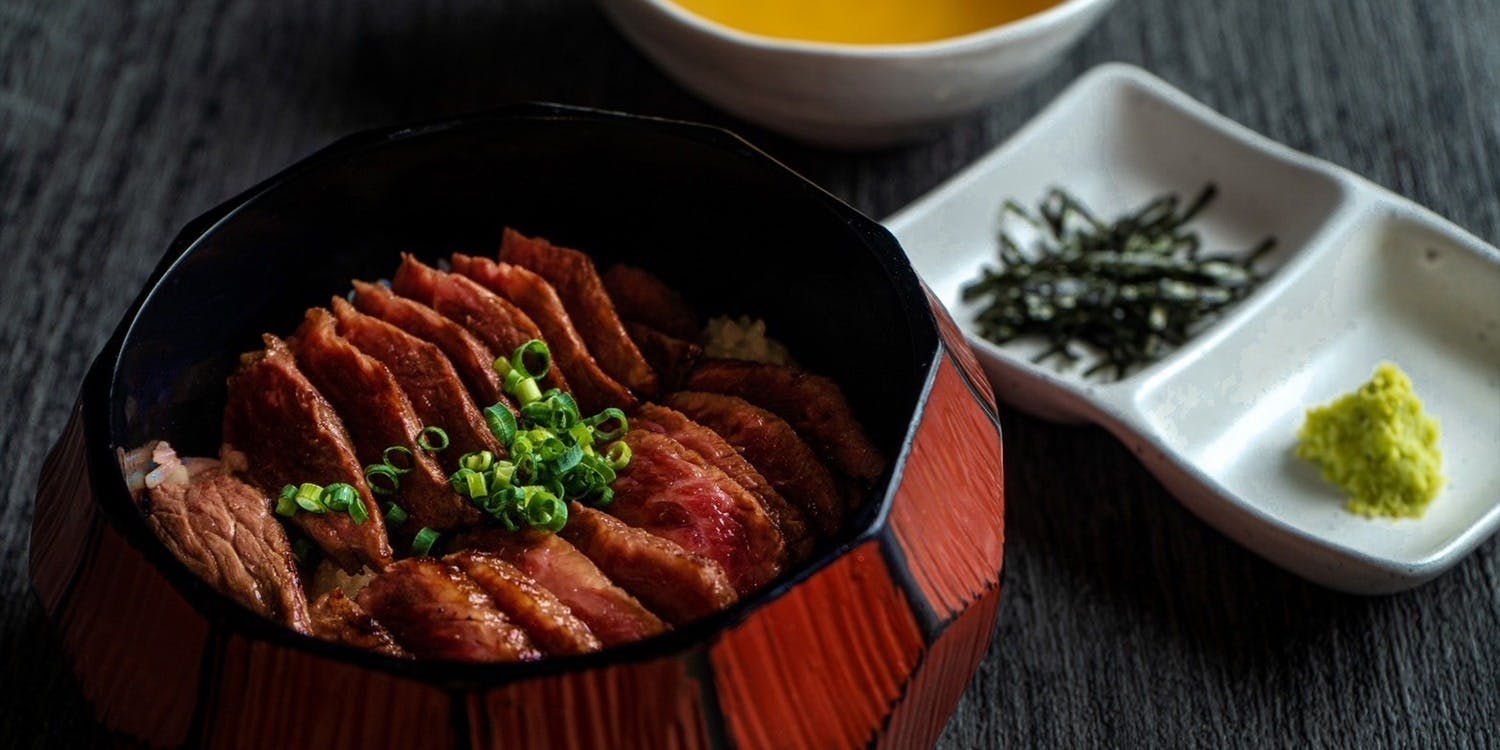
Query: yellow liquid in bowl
{"points": [[864, 21]]}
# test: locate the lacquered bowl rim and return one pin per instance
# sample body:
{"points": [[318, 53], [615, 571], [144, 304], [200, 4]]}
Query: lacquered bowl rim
{"points": [[98, 411]]}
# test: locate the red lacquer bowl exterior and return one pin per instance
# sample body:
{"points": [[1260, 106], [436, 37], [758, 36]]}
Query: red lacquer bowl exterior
{"points": [[873, 644]]}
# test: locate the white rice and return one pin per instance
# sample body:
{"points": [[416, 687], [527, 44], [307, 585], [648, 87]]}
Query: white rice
{"points": [[743, 337]]}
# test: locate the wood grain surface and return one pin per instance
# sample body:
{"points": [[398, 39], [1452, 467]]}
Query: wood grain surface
{"points": [[1125, 622]]}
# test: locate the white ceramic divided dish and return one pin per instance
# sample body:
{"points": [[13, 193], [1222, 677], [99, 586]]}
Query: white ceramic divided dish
{"points": [[1361, 277], [846, 95]]}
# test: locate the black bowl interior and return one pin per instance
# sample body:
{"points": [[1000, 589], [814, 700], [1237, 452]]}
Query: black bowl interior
{"points": [[730, 228]]}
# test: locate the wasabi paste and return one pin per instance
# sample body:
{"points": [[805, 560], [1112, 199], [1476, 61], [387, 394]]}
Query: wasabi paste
{"points": [[1378, 446]]}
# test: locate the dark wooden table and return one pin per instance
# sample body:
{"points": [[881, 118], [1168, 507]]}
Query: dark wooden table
{"points": [[1126, 622]]}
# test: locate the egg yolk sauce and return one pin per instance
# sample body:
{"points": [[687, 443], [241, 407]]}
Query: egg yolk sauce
{"points": [[864, 21]]}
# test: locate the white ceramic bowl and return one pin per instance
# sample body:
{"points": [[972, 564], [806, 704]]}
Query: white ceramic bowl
{"points": [[1362, 276], [849, 95]]}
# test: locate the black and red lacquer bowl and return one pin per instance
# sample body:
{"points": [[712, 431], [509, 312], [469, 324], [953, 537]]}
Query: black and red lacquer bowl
{"points": [[872, 642]]}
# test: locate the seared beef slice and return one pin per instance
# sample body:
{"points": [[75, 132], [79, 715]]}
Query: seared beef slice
{"points": [[222, 530], [378, 416], [789, 520], [469, 356], [437, 612], [549, 622], [593, 388], [425, 376], [673, 492], [679, 585], [613, 614], [336, 618], [673, 359], [773, 448], [641, 297], [501, 326], [289, 434], [812, 404], [572, 274]]}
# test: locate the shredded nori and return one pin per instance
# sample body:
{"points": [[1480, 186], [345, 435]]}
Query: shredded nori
{"points": [[1131, 290]]}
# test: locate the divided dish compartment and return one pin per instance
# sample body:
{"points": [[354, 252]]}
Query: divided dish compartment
{"points": [[1359, 277], [1396, 286], [1115, 143]]}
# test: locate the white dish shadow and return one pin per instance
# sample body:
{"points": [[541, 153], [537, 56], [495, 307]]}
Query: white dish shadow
{"points": [[1361, 276]]}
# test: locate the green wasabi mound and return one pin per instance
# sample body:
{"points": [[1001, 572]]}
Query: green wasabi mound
{"points": [[1378, 446]]}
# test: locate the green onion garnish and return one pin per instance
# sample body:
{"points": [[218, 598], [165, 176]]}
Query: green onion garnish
{"points": [[501, 423], [398, 450], [286, 505], [382, 478], [338, 497], [394, 515], [550, 451], [422, 543], [438, 442], [358, 513], [341, 496], [618, 455], [604, 417], [480, 461], [309, 498], [536, 348]]}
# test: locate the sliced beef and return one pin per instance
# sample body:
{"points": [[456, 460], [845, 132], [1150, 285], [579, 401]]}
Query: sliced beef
{"points": [[550, 623], [437, 612], [773, 448], [426, 377], [278, 423], [672, 358], [572, 274], [378, 416], [223, 530], [641, 297], [470, 357], [611, 613], [337, 619], [789, 519], [673, 492], [678, 585], [812, 404], [594, 389], [500, 325]]}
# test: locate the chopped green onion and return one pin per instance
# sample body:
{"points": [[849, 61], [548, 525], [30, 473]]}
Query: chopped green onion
{"points": [[501, 422], [605, 497], [618, 455], [286, 505], [513, 378], [527, 391], [439, 442], [400, 450], [357, 511], [422, 543], [551, 454], [604, 417], [310, 498], [535, 347], [480, 461], [394, 515], [382, 478], [475, 485], [571, 457], [341, 496]]}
